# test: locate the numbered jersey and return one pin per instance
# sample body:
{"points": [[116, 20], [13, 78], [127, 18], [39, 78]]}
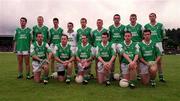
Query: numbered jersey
{"points": [[136, 32], [97, 36], [157, 31], [22, 38], [55, 35], [87, 32], [43, 30], [116, 33]]}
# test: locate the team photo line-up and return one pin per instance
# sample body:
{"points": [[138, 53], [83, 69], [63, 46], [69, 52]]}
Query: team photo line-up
{"points": [[139, 51]]}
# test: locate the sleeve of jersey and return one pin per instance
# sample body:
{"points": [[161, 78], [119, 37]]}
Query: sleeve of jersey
{"points": [[113, 48], [32, 51], [48, 48], [15, 36], [140, 52], [157, 50], [163, 32], [73, 51], [97, 52], [56, 51], [119, 49], [137, 49]]}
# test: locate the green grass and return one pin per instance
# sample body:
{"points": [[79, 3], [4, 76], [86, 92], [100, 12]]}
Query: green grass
{"points": [[12, 89]]}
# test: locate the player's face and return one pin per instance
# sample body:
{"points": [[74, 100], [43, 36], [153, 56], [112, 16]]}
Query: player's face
{"points": [[84, 39], [147, 36], [116, 19], [40, 21], [152, 17], [83, 23], [23, 22], [99, 23], [70, 27], [104, 38], [133, 19], [55, 22], [127, 37], [64, 40], [39, 38]]}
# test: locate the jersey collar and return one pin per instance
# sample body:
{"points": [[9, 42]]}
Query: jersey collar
{"points": [[146, 43], [105, 45], [132, 25], [38, 44], [62, 45], [84, 46], [117, 26], [126, 44]]}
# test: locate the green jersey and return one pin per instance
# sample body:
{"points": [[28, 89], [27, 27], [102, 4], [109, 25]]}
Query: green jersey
{"points": [[131, 50], [43, 30], [97, 36], [22, 38], [84, 52], [157, 31], [136, 32], [40, 50], [87, 32], [116, 33], [63, 53], [105, 52], [55, 35], [148, 51]]}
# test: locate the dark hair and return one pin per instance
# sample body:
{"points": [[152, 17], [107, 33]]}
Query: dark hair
{"points": [[116, 15], [147, 30], [84, 35], [106, 33], [133, 15], [65, 36], [153, 14], [38, 33], [55, 19], [84, 19], [23, 19], [128, 32], [70, 23]]}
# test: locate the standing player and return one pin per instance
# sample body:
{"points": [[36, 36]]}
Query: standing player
{"points": [[129, 62], [64, 57], [158, 34], [136, 30], [22, 40], [84, 58], [116, 32], [72, 36], [84, 30], [149, 56], [105, 56], [40, 28], [41, 54], [55, 36]]}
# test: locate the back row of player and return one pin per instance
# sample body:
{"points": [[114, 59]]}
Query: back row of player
{"points": [[116, 33]]}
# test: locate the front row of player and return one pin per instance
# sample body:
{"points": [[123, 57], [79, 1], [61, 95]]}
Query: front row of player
{"points": [[142, 56]]}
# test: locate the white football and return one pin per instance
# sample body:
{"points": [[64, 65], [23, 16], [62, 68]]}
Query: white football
{"points": [[123, 83], [54, 75], [116, 76], [79, 79]]}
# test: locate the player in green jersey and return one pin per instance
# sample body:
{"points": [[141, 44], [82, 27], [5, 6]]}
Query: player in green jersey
{"points": [[84, 58], [40, 28], [64, 58], [22, 40], [129, 62], [41, 53], [158, 34], [105, 56], [55, 36], [136, 30], [116, 32], [149, 56], [84, 30]]}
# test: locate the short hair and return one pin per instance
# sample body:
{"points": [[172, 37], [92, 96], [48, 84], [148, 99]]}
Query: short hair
{"points": [[84, 35], [106, 33], [70, 23], [23, 19], [152, 14], [99, 20], [65, 36], [84, 19], [147, 30], [55, 19], [40, 17], [116, 15], [133, 15], [128, 32], [38, 33]]}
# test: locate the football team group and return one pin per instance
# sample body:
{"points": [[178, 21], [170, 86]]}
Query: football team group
{"points": [[137, 49]]}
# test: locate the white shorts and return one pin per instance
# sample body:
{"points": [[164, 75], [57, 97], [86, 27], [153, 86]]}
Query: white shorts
{"points": [[52, 46], [100, 67], [143, 68], [81, 69], [74, 49], [125, 68], [22, 53], [159, 45], [94, 51], [35, 65], [60, 67]]}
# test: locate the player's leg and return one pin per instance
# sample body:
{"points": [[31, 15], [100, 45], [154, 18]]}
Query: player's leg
{"points": [[46, 73], [60, 71], [52, 64], [69, 73], [36, 71], [152, 72], [86, 71], [27, 62], [107, 73], [144, 73], [132, 76], [20, 65], [100, 73], [124, 71]]}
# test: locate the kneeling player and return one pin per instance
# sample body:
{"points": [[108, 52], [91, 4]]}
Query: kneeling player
{"points": [[106, 56], [149, 56], [64, 57], [39, 50]]}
